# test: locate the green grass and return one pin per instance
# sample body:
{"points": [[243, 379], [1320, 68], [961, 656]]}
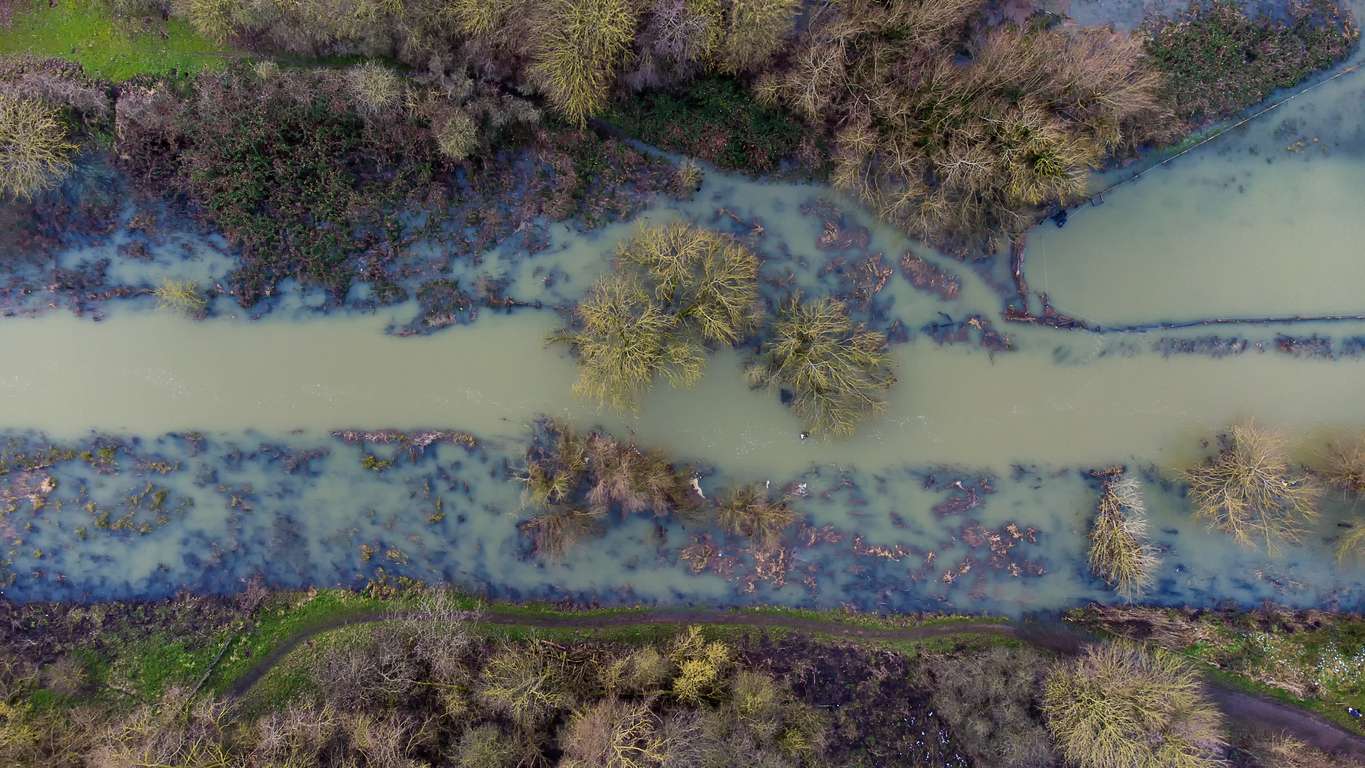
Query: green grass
{"points": [[83, 31]]}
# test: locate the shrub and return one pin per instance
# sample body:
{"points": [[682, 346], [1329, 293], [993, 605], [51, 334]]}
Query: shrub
{"points": [[959, 152], [614, 734], [836, 371], [181, 296], [555, 531], [645, 672], [1119, 551], [753, 31], [679, 287], [580, 45], [34, 151], [525, 683], [456, 135], [1118, 706], [375, 88], [750, 513], [486, 746], [1343, 466], [1283, 751], [702, 666], [214, 19], [688, 179], [990, 698], [677, 38], [1250, 490], [1217, 60]]}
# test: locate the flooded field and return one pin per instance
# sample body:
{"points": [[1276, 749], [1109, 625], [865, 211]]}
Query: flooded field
{"points": [[196, 454]]}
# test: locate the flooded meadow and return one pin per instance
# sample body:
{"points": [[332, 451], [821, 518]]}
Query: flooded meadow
{"points": [[313, 444]]}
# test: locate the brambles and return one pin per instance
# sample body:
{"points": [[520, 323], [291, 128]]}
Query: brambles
{"points": [[1119, 706], [1119, 551], [959, 152], [375, 88], [181, 296], [837, 372], [1250, 490], [581, 44], [750, 513], [1216, 60], [681, 287], [34, 151]]}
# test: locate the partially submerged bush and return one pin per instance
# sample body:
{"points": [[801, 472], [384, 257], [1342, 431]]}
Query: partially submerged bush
{"points": [[1343, 469], [1119, 550], [181, 296], [837, 372], [34, 151], [556, 530], [1119, 706], [680, 288], [960, 151], [749, 512], [1250, 489], [581, 44]]}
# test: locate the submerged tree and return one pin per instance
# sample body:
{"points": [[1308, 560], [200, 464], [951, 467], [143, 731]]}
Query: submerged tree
{"points": [[1119, 550], [749, 512], [677, 289], [836, 371], [1343, 469], [1119, 706], [1250, 489], [34, 151]]}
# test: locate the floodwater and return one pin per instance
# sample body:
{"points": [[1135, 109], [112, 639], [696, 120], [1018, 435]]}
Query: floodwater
{"points": [[212, 457]]}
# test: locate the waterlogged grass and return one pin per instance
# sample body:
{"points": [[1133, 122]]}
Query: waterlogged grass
{"points": [[83, 31]]}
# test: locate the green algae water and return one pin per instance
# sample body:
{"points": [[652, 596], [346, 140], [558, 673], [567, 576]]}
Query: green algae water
{"points": [[195, 455]]}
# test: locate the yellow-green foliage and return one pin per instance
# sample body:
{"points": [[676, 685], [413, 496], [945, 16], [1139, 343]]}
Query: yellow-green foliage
{"points": [[1250, 489], [753, 31], [702, 666], [955, 150], [837, 372], [486, 746], [457, 136], [34, 151], [680, 287], [645, 672], [181, 296], [580, 45], [1119, 551], [1119, 706], [375, 88], [750, 513], [526, 683], [216, 20]]}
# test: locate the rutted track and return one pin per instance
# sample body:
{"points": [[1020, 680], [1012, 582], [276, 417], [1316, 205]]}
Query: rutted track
{"points": [[1249, 711]]}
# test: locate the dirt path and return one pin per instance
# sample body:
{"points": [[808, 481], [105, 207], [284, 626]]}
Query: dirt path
{"points": [[1248, 711]]}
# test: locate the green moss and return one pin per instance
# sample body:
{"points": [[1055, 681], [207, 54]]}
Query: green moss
{"points": [[83, 31], [149, 666]]}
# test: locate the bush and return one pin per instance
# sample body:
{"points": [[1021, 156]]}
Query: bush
{"points": [[750, 513], [1118, 706], [457, 136], [837, 372], [1217, 61], [1250, 490], [486, 746], [678, 288], [556, 530], [181, 296], [526, 684], [676, 39], [614, 734], [702, 666], [960, 152], [990, 698], [34, 151], [754, 30], [580, 45], [375, 88], [1119, 551]]}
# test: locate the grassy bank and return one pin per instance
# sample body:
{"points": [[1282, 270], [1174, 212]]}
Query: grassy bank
{"points": [[86, 32]]}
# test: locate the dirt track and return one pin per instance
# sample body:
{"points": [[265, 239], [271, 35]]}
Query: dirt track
{"points": [[1248, 711]]}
